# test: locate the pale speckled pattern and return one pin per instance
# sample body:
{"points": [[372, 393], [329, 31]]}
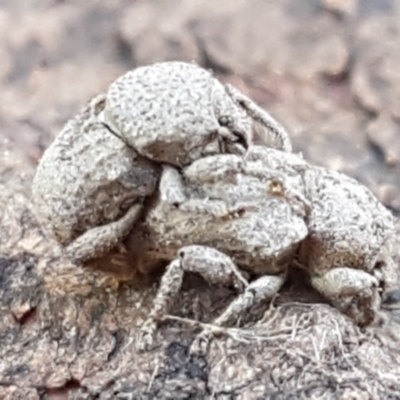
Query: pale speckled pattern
{"points": [[261, 209], [349, 246], [348, 221], [88, 178], [177, 112], [231, 204], [108, 189], [228, 204], [97, 171]]}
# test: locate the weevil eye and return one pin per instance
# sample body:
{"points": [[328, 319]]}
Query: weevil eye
{"points": [[225, 120]]}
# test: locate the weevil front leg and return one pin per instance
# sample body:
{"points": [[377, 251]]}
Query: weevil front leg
{"points": [[352, 291], [214, 266], [256, 293], [261, 116], [98, 241]]}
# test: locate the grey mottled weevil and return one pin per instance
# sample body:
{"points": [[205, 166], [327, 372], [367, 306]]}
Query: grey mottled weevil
{"points": [[92, 181]]}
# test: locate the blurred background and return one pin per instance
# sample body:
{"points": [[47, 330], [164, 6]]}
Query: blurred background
{"points": [[327, 69]]}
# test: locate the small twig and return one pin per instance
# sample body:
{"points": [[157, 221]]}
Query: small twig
{"points": [[153, 375], [238, 334]]}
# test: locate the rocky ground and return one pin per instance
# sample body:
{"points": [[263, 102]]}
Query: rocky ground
{"points": [[325, 68]]}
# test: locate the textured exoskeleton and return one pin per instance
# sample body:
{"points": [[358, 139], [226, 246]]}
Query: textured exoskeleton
{"points": [[348, 251], [163, 170], [227, 213], [92, 181], [89, 186], [176, 112]]}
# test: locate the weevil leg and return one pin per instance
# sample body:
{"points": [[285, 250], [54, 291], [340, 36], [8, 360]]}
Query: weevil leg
{"points": [[256, 293], [261, 116], [98, 241], [352, 291], [211, 264]]}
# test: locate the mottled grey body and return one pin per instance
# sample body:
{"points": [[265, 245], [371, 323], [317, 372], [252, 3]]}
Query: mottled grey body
{"points": [[163, 170], [226, 202], [177, 112], [92, 181], [88, 177], [264, 210]]}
